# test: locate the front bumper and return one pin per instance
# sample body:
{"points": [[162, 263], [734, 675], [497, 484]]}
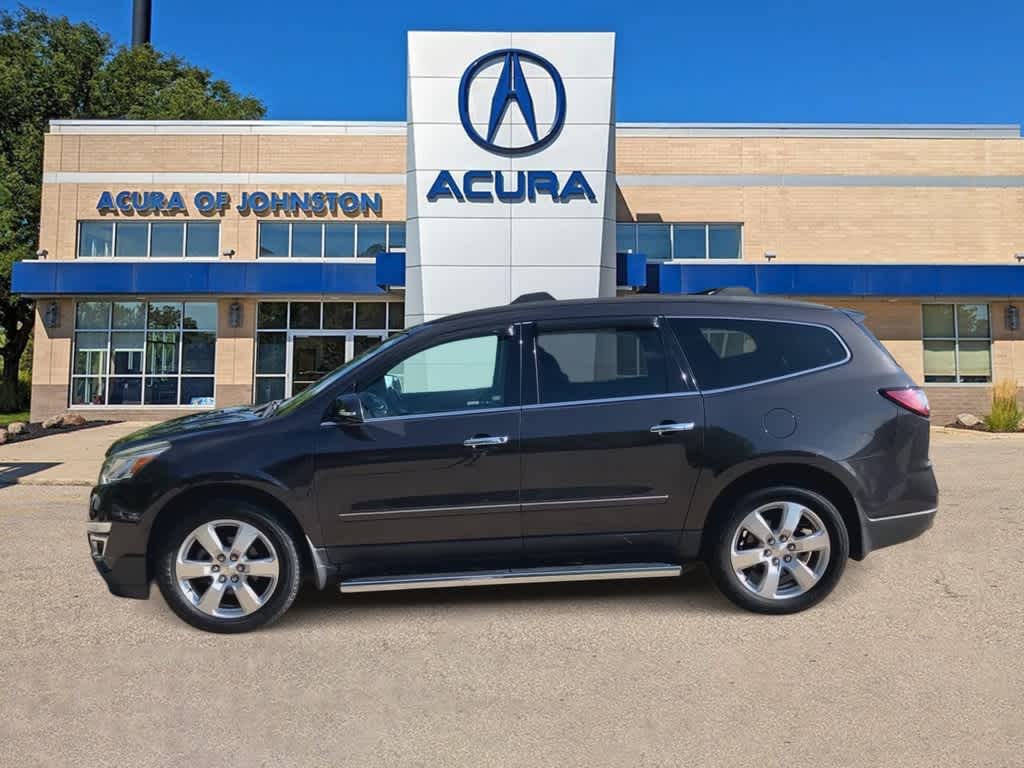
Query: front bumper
{"points": [[117, 546], [885, 531]]}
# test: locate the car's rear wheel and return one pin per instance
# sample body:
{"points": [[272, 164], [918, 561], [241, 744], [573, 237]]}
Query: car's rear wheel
{"points": [[779, 550], [230, 567]]}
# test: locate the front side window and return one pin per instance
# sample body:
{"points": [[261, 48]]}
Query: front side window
{"points": [[464, 374], [148, 239], [957, 343], [139, 353], [731, 353], [599, 363]]}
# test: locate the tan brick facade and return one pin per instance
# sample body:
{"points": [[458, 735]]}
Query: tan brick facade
{"points": [[810, 199]]}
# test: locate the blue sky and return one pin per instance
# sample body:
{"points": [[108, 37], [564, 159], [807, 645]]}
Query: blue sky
{"points": [[765, 61]]}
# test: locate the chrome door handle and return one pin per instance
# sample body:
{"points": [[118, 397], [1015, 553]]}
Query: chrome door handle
{"points": [[675, 426], [480, 442]]}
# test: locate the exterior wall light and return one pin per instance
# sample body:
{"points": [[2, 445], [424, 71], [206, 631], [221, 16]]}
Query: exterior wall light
{"points": [[1012, 318], [42, 253], [769, 255], [1019, 257], [51, 316], [235, 314], [229, 252]]}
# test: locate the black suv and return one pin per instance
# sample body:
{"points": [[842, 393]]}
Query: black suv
{"points": [[539, 441]]}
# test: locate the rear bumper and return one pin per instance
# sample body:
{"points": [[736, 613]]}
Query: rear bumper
{"points": [[885, 531]]}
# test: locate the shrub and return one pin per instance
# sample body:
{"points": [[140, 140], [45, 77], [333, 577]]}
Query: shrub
{"points": [[1006, 412]]}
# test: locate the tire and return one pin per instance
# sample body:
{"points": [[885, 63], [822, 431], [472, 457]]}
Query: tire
{"points": [[750, 544], [251, 588]]}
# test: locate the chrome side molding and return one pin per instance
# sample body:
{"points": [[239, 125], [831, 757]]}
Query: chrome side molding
{"points": [[512, 576], [675, 426]]}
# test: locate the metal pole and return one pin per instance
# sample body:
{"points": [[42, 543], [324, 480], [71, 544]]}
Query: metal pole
{"points": [[142, 22]]}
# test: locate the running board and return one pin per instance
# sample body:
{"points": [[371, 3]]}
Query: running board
{"points": [[512, 576]]}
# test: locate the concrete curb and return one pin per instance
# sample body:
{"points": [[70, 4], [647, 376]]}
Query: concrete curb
{"points": [[972, 433]]}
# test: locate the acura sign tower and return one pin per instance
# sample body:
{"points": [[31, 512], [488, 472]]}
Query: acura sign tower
{"points": [[511, 168]]}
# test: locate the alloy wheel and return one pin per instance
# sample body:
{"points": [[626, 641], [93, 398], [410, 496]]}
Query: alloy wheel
{"points": [[780, 550], [227, 568]]}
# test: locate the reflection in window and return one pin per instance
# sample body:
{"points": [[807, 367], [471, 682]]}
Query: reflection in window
{"points": [[146, 239], [661, 241], [332, 240], [138, 353], [957, 342]]}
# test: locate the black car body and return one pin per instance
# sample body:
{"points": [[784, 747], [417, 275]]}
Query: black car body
{"points": [[542, 440]]}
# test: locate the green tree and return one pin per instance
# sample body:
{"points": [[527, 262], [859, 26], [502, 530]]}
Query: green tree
{"points": [[51, 68]]}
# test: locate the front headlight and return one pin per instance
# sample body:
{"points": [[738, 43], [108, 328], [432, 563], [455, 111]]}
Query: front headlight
{"points": [[120, 466]]}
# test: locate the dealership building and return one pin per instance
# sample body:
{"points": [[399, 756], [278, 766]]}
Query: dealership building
{"points": [[191, 265]]}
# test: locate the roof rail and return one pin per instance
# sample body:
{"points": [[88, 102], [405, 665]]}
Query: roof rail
{"points": [[527, 298], [728, 290]]}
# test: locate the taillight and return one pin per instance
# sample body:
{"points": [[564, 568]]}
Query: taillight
{"points": [[912, 398]]}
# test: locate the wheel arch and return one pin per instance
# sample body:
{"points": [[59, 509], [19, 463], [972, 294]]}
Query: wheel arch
{"points": [[812, 477], [192, 498]]}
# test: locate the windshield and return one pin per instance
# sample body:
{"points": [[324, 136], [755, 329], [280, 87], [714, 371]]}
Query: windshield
{"points": [[296, 401]]}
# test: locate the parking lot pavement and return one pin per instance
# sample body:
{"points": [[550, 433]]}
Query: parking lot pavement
{"points": [[916, 660]]}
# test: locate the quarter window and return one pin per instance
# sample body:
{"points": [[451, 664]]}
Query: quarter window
{"points": [[464, 374], [957, 343], [329, 240], [138, 353], [660, 241], [731, 353], [599, 363], [148, 239]]}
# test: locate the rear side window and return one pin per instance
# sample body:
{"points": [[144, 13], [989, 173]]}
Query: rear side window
{"points": [[597, 363], [731, 353]]}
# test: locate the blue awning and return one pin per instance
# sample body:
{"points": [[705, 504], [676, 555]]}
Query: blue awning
{"points": [[233, 278], [888, 280]]}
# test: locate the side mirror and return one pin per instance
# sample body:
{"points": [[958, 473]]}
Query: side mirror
{"points": [[348, 409]]}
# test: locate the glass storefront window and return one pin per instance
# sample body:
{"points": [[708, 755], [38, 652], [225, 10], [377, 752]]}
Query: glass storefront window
{"points": [[654, 241], [148, 239], [138, 353], [957, 340], [661, 242], [331, 240], [321, 336]]}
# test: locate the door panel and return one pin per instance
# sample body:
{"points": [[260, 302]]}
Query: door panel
{"points": [[611, 450], [430, 481]]}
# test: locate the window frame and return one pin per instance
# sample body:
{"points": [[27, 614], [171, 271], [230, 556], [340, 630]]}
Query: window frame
{"points": [[956, 339], [355, 257], [144, 374], [149, 222], [673, 258], [692, 375]]}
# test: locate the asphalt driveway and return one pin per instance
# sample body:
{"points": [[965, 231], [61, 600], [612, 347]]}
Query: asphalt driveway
{"points": [[916, 660]]}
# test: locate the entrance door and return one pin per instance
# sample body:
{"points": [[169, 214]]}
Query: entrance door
{"points": [[312, 355]]}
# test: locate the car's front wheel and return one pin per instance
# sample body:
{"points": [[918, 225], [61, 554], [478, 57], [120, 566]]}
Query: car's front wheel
{"points": [[779, 550], [231, 567]]}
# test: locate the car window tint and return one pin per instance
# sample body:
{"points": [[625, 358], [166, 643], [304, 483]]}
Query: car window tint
{"points": [[598, 363], [457, 375], [730, 353]]}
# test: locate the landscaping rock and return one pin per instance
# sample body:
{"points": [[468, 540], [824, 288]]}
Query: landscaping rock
{"points": [[967, 420], [16, 428], [3, 436], [72, 420], [53, 422]]}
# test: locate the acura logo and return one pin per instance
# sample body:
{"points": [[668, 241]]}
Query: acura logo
{"points": [[512, 87]]}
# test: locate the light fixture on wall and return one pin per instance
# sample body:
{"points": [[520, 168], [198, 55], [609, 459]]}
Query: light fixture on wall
{"points": [[42, 253], [1019, 257], [1012, 318], [51, 316], [235, 314], [229, 252], [769, 255]]}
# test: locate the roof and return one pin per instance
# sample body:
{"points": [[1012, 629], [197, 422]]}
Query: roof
{"points": [[632, 305], [625, 130]]}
